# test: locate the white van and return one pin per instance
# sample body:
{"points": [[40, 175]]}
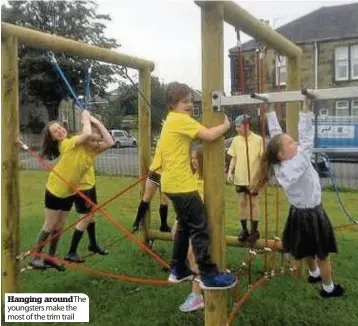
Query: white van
{"points": [[122, 138]]}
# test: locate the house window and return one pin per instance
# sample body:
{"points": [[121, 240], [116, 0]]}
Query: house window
{"points": [[354, 108], [354, 61], [341, 57], [342, 108], [346, 62], [281, 70]]}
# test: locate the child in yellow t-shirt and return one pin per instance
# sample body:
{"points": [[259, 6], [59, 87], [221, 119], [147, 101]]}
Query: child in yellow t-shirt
{"points": [[179, 184], [151, 185], [195, 300], [241, 178], [99, 141], [73, 161]]}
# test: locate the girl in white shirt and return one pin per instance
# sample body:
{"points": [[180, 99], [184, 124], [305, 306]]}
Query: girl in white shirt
{"points": [[308, 232]]}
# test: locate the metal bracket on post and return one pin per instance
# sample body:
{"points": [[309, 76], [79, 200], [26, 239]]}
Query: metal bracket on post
{"points": [[261, 97], [216, 100], [310, 94]]}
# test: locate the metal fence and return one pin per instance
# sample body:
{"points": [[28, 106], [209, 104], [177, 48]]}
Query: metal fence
{"points": [[125, 162]]}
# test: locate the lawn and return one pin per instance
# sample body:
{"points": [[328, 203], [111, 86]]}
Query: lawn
{"points": [[283, 301]]}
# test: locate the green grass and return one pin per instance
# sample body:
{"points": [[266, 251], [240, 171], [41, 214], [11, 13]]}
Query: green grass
{"points": [[283, 301]]}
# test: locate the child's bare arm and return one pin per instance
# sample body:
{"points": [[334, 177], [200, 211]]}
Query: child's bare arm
{"points": [[306, 105], [305, 128]]}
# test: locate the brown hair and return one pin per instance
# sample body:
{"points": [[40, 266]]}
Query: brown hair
{"points": [[176, 92], [49, 147], [199, 153], [267, 161]]}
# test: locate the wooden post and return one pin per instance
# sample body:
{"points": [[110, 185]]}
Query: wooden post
{"points": [[144, 124], [212, 26], [10, 207], [231, 241], [293, 84]]}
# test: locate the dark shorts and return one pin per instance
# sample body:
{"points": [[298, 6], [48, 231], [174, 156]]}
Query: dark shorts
{"points": [[154, 178], [57, 203], [245, 190], [82, 205]]}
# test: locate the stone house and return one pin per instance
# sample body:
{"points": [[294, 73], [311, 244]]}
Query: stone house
{"points": [[329, 40]]}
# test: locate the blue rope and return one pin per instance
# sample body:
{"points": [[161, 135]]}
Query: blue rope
{"points": [[87, 98], [335, 188], [58, 69]]}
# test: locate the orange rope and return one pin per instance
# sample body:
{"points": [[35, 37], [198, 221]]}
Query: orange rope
{"points": [[96, 207], [343, 226], [246, 295], [245, 122], [263, 135], [276, 226], [97, 272]]}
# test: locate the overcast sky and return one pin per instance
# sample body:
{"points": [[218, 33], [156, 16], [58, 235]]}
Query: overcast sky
{"points": [[168, 32]]}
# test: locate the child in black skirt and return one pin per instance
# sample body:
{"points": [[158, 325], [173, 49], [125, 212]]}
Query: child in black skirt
{"points": [[308, 232]]}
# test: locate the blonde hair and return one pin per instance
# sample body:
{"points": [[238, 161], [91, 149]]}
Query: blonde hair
{"points": [[199, 153]]}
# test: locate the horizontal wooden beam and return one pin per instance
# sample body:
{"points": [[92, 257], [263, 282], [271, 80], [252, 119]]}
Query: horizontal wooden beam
{"points": [[46, 41], [238, 17], [230, 241]]}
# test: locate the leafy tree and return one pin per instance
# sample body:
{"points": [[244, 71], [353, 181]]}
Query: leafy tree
{"points": [[77, 20], [126, 103]]}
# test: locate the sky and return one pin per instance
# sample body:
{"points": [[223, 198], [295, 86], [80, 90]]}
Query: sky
{"points": [[168, 32]]}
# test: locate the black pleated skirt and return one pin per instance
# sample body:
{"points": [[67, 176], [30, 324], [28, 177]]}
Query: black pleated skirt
{"points": [[308, 233]]}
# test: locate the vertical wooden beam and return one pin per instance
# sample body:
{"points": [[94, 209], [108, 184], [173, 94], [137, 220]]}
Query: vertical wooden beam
{"points": [[10, 207], [293, 84], [144, 123], [212, 28]]}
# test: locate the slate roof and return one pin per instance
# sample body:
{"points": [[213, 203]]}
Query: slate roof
{"points": [[326, 23]]}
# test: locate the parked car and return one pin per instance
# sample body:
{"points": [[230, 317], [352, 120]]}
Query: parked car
{"points": [[320, 161], [122, 138]]}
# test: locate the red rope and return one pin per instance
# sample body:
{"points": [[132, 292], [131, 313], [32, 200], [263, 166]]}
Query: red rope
{"points": [[96, 207], [245, 122], [260, 64], [246, 295], [97, 272]]}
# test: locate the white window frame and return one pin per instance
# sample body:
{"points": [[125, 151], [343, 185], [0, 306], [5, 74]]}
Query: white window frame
{"points": [[338, 108], [341, 59], [354, 106], [354, 59], [281, 64]]}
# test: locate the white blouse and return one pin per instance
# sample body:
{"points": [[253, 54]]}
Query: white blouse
{"points": [[297, 176]]}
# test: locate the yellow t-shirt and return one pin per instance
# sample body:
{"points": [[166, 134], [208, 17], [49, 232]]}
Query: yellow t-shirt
{"points": [[157, 160], [73, 163], [89, 179], [238, 150], [178, 131], [199, 185]]}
